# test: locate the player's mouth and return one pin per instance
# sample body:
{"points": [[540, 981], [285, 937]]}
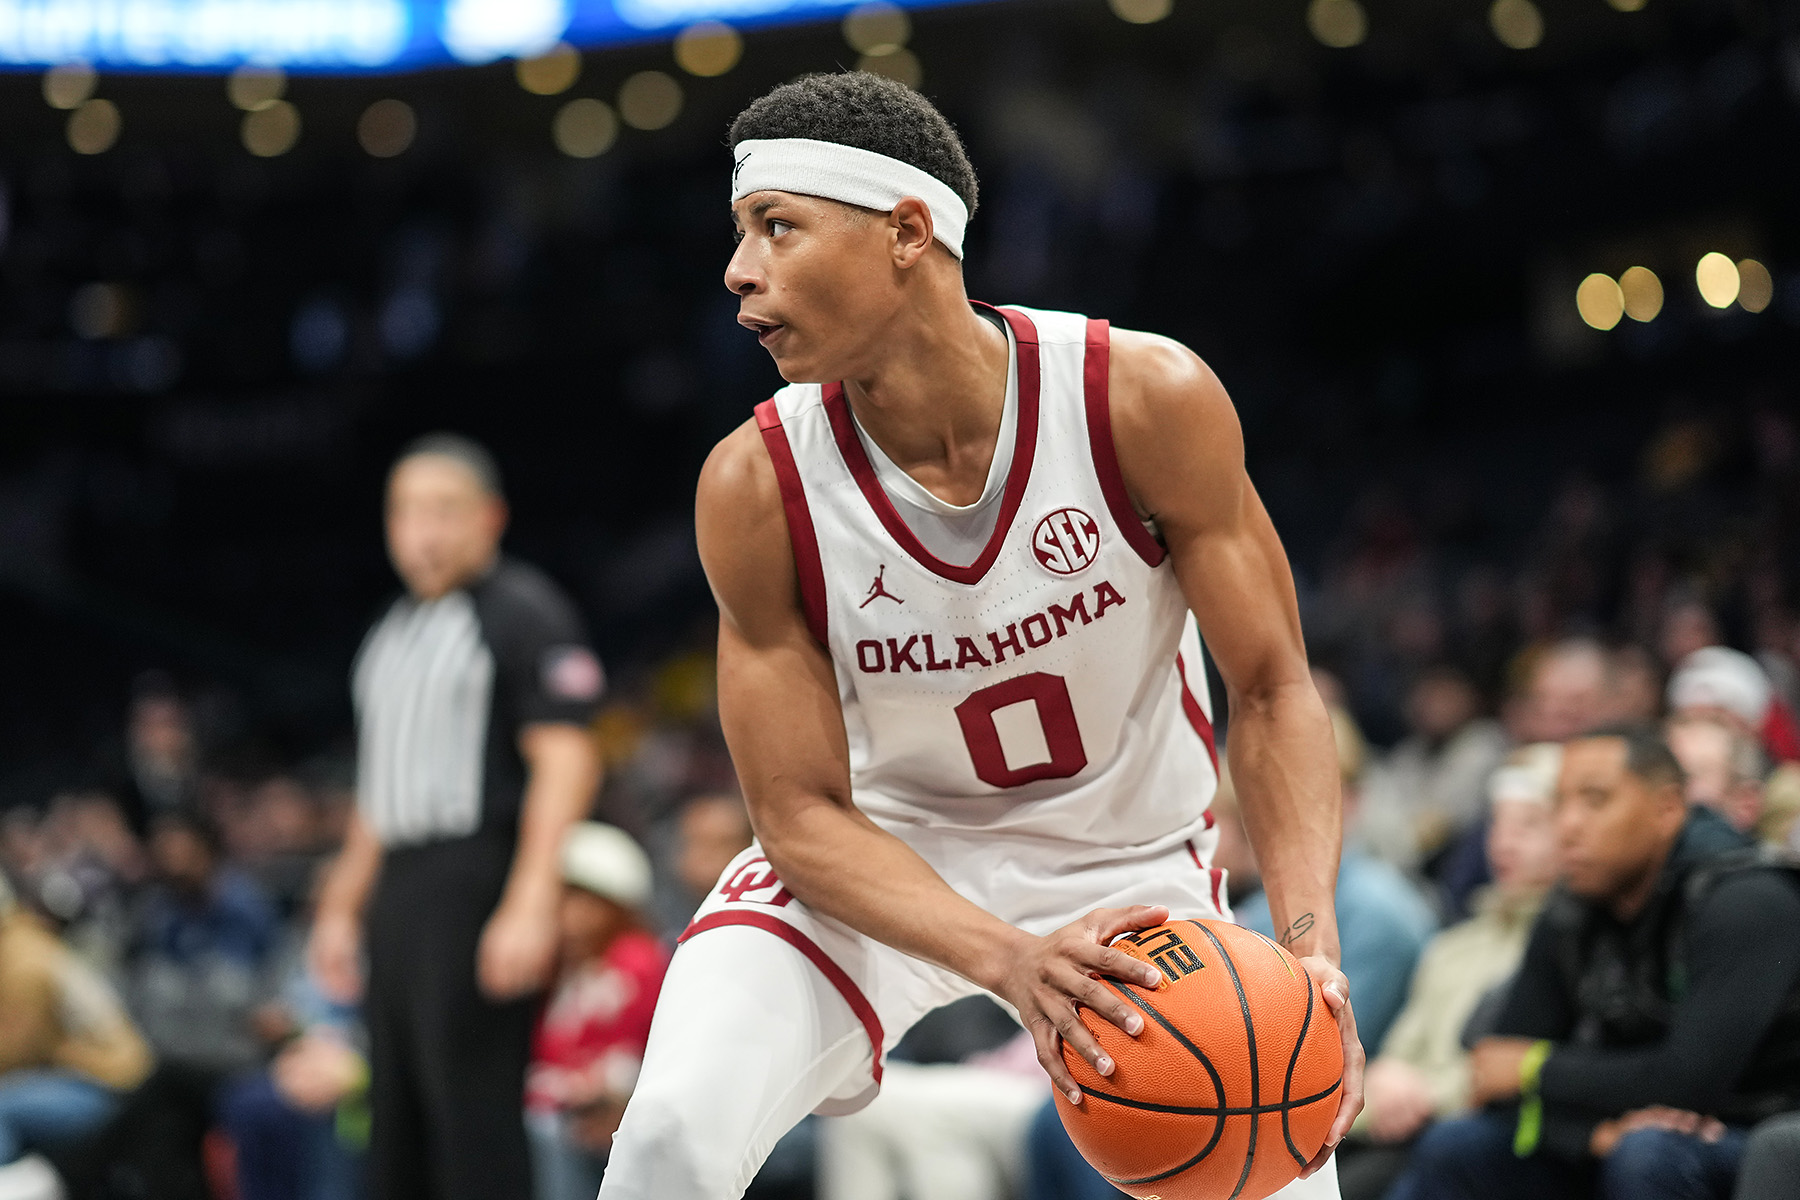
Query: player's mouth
{"points": [[766, 331]]}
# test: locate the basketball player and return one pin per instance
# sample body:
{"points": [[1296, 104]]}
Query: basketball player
{"points": [[958, 564]]}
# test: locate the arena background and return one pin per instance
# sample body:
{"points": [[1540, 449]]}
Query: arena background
{"points": [[1507, 293], [208, 357]]}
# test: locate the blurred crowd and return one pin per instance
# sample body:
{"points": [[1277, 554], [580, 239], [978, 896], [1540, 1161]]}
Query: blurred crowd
{"points": [[174, 1046]]}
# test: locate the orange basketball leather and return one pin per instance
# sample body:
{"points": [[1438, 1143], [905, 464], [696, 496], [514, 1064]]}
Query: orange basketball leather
{"points": [[1232, 1086]]}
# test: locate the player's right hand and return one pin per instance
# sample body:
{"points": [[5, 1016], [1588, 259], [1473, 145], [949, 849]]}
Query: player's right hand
{"points": [[1048, 978], [334, 956]]}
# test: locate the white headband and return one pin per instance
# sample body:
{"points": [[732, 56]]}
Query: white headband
{"points": [[848, 174]]}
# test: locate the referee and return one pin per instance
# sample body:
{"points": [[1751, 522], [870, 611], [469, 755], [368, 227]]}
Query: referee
{"points": [[473, 692]]}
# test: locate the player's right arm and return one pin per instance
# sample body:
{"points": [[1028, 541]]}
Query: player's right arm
{"points": [[778, 703], [334, 948]]}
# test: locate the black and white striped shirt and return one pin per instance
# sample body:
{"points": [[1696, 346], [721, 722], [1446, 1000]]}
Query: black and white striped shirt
{"points": [[443, 688]]}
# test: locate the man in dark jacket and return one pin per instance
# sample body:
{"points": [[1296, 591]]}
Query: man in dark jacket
{"points": [[1656, 1014]]}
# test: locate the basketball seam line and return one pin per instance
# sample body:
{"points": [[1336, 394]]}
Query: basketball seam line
{"points": [[1200, 1057], [1188, 1110], [1287, 1086], [1250, 1037]]}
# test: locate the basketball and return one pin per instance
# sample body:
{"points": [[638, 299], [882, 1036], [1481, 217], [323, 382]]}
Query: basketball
{"points": [[1231, 1087]]}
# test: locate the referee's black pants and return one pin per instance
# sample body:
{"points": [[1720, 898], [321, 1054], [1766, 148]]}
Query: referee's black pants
{"points": [[447, 1066]]}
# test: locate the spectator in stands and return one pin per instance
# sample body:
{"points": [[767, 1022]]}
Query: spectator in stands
{"points": [[161, 769], [198, 971], [1383, 920], [693, 850], [715, 828], [1687, 626], [279, 838], [79, 864], [297, 1126], [205, 933], [590, 1040], [1567, 690], [1421, 1073], [1733, 687], [1724, 766], [68, 1051], [1430, 788], [1653, 1017]]}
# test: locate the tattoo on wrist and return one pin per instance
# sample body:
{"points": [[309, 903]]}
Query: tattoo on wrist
{"points": [[1298, 928]]}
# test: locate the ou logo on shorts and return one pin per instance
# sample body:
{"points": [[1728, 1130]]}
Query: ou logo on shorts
{"points": [[1066, 541]]}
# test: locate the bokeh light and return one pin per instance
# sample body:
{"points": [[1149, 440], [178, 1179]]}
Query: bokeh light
{"points": [[1717, 278], [650, 100], [1600, 301], [1756, 287], [1517, 23], [254, 88], [551, 73], [272, 130], [68, 84], [709, 48], [1643, 293], [1628, 5], [387, 127], [1339, 24], [873, 28], [94, 127], [898, 64], [1141, 12], [99, 310], [585, 128]]}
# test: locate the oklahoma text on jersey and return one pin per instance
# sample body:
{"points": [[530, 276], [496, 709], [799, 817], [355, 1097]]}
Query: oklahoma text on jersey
{"points": [[1052, 689]]}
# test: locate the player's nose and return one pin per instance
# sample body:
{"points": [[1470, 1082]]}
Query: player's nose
{"points": [[741, 276]]}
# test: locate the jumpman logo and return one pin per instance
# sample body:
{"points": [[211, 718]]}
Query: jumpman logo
{"points": [[878, 590], [737, 167]]}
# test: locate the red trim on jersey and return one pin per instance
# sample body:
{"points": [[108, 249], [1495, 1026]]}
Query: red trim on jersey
{"points": [[843, 426], [799, 520], [1197, 717], [1106, 455], [1216, 874], [834, 974]]}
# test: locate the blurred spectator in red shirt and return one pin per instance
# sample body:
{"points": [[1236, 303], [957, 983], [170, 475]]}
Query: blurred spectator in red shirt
{"points": [[590, 1041], [1730, 685]]}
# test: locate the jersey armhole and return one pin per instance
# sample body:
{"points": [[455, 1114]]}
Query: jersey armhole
{"points": [[799, 520], [1097, 361]]}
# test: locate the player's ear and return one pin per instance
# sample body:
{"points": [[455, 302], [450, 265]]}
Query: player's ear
{"points": [[910, 223]]}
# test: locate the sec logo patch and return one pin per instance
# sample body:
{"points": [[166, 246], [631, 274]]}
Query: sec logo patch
{"points": [[1066, 541]]}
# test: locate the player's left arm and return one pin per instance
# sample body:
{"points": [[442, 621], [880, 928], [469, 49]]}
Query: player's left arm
{"points": [[1181, 451]]}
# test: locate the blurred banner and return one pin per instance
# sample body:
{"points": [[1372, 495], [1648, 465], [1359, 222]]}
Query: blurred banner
{"points": [[353, 35]]}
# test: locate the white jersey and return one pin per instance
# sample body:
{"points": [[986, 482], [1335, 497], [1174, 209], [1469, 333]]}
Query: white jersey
{"points": [[1042, 709]]}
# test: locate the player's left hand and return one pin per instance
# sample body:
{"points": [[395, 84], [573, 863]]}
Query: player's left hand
{"points": [[518, 948], [1350, 1098]]}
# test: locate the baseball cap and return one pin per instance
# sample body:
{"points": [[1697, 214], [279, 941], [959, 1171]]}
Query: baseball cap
{"points": [[605, 860]]}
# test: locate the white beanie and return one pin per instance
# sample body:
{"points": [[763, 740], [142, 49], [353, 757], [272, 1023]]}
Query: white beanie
{"points": [[1528, 774], [604, 860], [1718, 677]]}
